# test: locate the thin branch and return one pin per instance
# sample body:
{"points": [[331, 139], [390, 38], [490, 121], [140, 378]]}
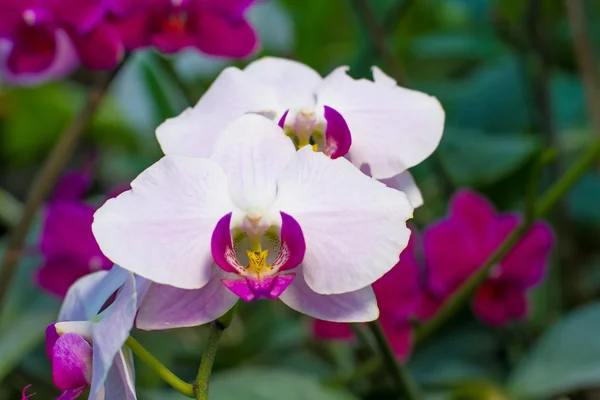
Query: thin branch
{"points": [[585, 59], [210, 352], [548, 200], [378, 37], [47, 177], [404, 384], [173, 380]]}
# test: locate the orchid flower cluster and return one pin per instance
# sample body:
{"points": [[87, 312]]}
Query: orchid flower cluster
{"points": [[278, 184], [43, 39], [435, 265]]}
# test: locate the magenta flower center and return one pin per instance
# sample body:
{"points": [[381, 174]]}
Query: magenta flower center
{"points": [[175, 23]]}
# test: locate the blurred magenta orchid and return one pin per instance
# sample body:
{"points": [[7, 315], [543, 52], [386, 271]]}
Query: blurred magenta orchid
{"points": [[85, 346], [398, 297], [215, 27], [259, 210], [67, 243], [460, 244], [64, 63], [36, 29], [380, 127]]}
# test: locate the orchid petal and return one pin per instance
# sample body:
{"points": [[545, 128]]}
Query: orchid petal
{"points": [[405, 183], [223, 35], [498, 303], [33, 52], [252, 151], [167, 307], [393, 128], [75, 306], [354, 226], [65, 61], [119, 383], [71, 362], [527, 262], [295, 82], [81, 15], [71, 394], [110, 333], [101, 48], [331, 330], [161, 228], [232, 94], [337, 134], [357, 306]]}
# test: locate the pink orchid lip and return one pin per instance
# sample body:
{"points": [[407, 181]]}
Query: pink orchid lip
{"points": [[270, 287], [249, 288], [71, 362], [338, 138]]}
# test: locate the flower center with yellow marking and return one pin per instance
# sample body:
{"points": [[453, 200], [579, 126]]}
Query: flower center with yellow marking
{"points": [[258, 262]]}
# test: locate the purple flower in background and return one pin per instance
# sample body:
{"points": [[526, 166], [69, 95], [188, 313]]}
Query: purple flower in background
{"points": [[85, 346], [459, 245], [398, 296], [67, 243], [215, 27], [36, 28], [64, 63], [259, 210]]}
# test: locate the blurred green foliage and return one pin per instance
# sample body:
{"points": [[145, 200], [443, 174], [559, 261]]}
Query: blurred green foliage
{"points": [[476, 56]]}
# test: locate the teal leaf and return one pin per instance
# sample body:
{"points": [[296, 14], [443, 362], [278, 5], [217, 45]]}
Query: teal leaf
{"points": [[475, 159], [564, 359]]}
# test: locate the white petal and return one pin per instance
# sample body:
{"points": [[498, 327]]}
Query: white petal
{"points": [[405, 182], [392, 128], [194, 132], [252, 151], [358, 306], [295, 82], [110, 333], [120, 382], [80, 303], [380, 77], [161, 228], [354, 226], [166, 307]]}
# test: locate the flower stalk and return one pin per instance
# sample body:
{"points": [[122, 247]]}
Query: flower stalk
{"points": [[210, 352], [548, 200], [175, 382], [402, 379]]}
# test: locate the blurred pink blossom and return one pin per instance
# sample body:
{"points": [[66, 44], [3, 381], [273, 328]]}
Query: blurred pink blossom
{"points": [[215, 27], [459, 245]]}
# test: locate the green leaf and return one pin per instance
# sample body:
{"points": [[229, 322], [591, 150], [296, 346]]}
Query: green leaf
{"points": [[494, 99], [270, 384], [564, 359], [21, 336], [465, 353], [582, 200], [260, 384], [473, 158]]}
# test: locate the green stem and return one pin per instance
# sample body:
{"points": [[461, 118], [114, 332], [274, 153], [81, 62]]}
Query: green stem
{"points": [[182, 387], [562, 186], [210, 352], [548, 200], [402, 380]]}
